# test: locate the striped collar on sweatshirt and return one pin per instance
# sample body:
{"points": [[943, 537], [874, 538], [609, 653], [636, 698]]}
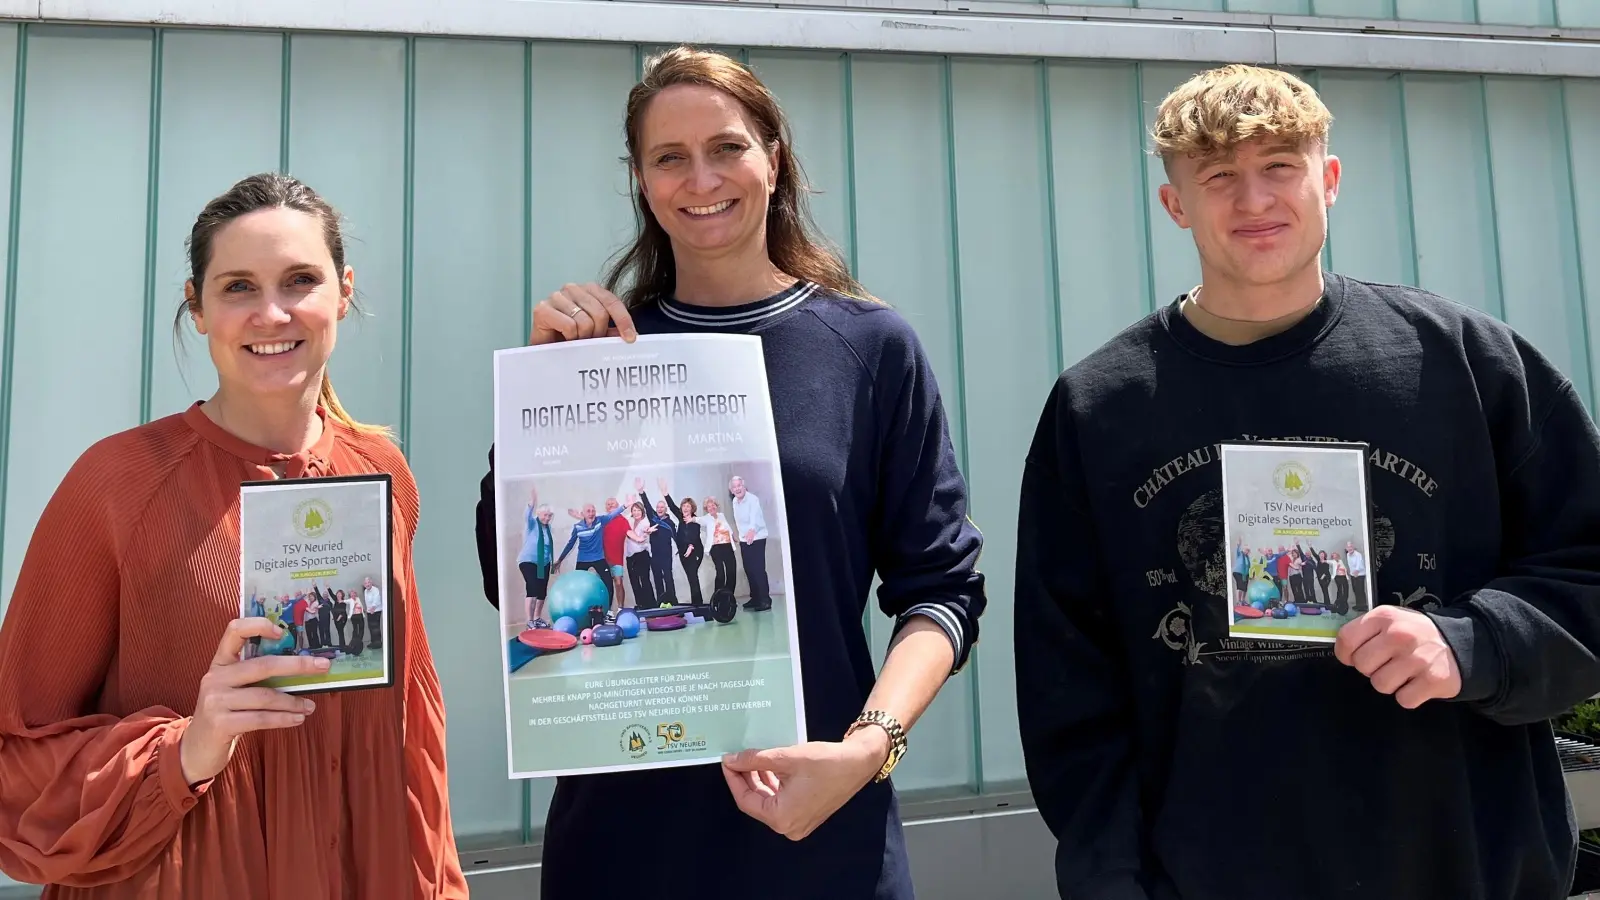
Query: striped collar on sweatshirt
{"points": [[745, 315]]}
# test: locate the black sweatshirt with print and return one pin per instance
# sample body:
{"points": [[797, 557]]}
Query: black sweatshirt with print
{"points": [[1174, 763]]}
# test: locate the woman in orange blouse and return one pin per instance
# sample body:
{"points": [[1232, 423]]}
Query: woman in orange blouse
{"points": [[135, 760]]}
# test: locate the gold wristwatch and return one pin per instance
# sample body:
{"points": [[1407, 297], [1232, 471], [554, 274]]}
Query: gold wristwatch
{"points": [[897, 737]]}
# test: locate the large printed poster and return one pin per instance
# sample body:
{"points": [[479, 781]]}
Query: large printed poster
{"points": [[646, 619]]}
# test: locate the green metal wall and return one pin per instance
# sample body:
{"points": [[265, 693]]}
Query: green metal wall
{"points": [[1552, 13], [1004, 205]]}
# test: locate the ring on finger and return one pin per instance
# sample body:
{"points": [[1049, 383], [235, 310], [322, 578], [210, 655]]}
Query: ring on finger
{"points": [[575, 311]]}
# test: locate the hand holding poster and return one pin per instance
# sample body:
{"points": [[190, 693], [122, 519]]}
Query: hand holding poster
{"points": [[645, 613], [1296, 538]]}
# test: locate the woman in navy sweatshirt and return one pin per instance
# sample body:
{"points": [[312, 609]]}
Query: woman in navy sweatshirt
{"points": [[725, 246]]}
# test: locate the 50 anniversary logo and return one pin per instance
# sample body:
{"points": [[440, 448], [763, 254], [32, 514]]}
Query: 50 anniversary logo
{"points": [[671, 738]]}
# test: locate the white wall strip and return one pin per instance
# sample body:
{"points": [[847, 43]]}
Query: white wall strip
{"points": [[1439, 54], [975, 27]]}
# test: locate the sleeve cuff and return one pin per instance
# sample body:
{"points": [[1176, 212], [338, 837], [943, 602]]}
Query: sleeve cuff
{"points": [[169, 768], [1477, 657], [947, 620]]}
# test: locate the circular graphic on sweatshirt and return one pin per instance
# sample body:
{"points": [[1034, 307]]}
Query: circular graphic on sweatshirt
{"points": [[1382, 539], [1200, 542]]}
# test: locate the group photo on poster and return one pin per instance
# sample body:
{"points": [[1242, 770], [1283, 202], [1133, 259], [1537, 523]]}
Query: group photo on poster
{"points": [[315, 561], [645, 616], [1296, 538], [702, 553]]}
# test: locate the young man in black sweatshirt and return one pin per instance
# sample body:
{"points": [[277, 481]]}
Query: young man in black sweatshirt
{"points": [[1412, 759]]}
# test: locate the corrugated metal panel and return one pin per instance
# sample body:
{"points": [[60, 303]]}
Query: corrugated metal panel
{"points": [[1553, 13], [1003, 205]]}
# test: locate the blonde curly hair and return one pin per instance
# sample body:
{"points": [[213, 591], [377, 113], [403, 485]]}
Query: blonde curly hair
{"points": [[1211, 114]]}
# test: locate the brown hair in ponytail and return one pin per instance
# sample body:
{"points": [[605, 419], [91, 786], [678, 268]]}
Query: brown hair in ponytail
{"points": [[269, 190], [329, 401]]}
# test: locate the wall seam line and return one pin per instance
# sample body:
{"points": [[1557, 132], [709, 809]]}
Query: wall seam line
{"points": [[527, 190], [1494, 202], [853, 246], [1049, 162], [408, 237], [1314, 78], [284, 109], [152, 202], [1577, 241], [1144, 188], [14, 217], [1415, 275]]}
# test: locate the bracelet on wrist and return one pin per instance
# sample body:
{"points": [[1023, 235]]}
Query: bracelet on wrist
{"points": [[891, 726]]}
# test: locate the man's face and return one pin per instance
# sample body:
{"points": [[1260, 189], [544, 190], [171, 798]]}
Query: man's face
{"points": [[1259, 216]]}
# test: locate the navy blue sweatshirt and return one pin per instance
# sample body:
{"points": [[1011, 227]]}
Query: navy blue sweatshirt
{"points": [[1173, 762], [871, 486]]}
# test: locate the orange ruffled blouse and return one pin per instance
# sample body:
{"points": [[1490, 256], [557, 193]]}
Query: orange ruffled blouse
{"points": [[129, 580]]}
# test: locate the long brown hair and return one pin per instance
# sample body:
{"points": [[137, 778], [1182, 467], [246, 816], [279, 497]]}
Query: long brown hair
{"points": [[794, 243], [269, 190]]}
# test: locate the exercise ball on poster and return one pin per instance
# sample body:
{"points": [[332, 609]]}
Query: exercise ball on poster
{"points": [[1261, 591], [572, 593], [628, 621]]}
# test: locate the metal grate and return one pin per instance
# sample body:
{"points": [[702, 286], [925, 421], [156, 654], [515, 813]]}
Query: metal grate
{"points": [[1577, 755]]}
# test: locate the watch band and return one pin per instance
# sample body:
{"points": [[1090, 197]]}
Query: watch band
{"points": [[891, 727]]}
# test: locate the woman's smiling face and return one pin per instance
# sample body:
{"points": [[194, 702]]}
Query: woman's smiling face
{"points": [[270, 303], [705, 171]]}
